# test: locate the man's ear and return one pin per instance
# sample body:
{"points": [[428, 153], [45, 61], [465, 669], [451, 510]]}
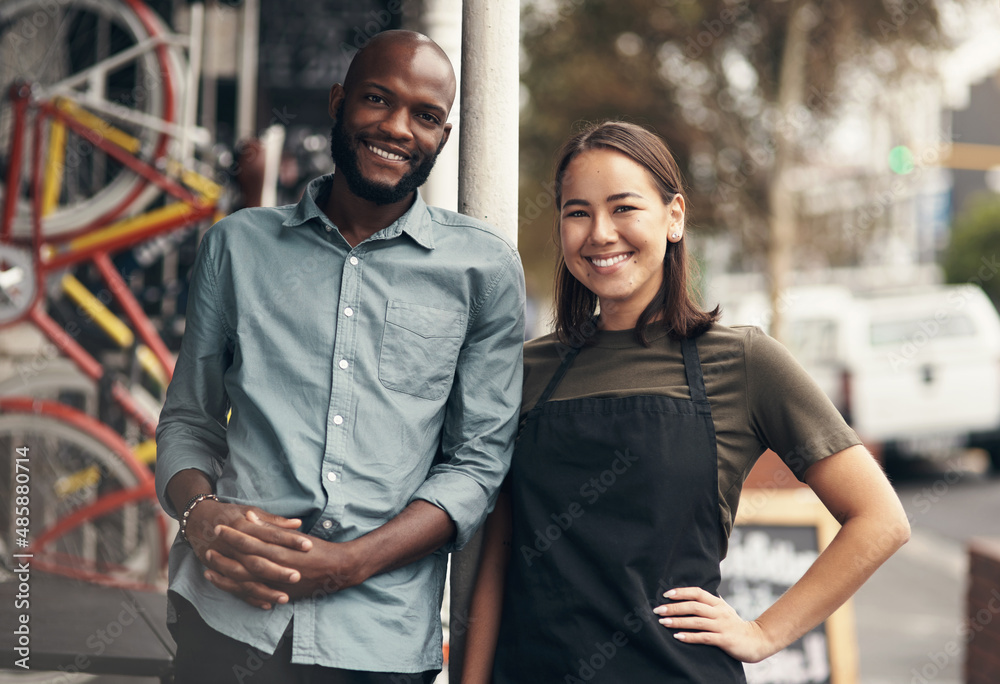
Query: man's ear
{"points": [[444, 138], [336, 98]]}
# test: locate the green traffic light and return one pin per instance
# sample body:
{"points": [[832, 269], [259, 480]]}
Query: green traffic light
{"points": [[901, 160]]}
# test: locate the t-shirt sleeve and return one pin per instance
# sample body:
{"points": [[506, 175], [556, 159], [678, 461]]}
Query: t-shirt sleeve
{"points": [[789, 412]]}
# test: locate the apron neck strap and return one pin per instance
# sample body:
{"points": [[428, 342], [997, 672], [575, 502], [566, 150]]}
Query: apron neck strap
{"points": [[692, 368], [557, 378]]}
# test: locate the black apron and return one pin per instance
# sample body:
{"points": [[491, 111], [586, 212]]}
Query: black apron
{"points": [[614, 501]]}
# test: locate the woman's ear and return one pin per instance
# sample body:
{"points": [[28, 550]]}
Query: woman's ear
{"points": [[675, 208]]}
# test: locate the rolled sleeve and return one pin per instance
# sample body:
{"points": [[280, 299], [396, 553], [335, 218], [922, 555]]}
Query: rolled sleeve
{"points": [[192, 427], [480, 421]]}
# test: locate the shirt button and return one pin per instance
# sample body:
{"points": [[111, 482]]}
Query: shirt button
{"points": [[327, 524], [338, 420], [343, 364], [329, 229], [348, 312], [332, 477], [354, 261]]}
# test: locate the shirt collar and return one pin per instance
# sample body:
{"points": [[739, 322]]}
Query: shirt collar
{"points": [[416, 222]]}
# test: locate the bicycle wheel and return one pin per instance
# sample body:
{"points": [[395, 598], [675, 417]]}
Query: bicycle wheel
{"points": [[71, 473], [45, 42], [55, 379]]}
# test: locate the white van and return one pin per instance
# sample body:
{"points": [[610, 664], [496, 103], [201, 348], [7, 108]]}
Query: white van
{"points": [[917, 371]]}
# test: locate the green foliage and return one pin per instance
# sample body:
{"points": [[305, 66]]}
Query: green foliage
{"points": [[974, 251]]}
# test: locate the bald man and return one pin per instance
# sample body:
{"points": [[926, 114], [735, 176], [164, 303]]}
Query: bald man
{"points": [[344, 403]]}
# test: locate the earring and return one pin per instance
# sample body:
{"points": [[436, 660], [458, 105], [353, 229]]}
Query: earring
{"points": [[675, 236]]}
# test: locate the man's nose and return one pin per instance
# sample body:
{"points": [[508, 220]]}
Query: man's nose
{"points": [[396, 124]]}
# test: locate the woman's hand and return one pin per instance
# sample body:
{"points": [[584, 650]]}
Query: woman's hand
{"points": [[715, 622]]}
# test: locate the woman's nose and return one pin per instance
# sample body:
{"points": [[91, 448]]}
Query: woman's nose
{"points": [[603, 230]]}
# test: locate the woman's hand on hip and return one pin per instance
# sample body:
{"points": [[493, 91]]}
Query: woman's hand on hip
{"points": [[703, 618]]}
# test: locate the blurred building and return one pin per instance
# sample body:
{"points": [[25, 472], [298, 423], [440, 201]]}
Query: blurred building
{"points": [[976, 124], [877, 189]]}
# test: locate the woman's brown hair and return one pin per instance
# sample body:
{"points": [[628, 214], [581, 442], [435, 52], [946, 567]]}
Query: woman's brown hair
{"points": [[674, 303]]}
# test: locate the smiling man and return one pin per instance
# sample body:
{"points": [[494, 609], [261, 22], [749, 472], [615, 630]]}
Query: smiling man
{"points": [[369, 349]]}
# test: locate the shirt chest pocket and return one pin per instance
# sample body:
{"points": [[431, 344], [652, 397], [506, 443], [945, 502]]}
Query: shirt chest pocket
{"points": [[420, 346]]}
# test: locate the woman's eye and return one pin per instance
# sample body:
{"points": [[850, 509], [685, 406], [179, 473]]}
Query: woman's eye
{"points": [[576, 214], [624, 208]]}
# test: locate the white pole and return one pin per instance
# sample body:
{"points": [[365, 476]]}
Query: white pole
{"points": [[195, 40], [246, 111], [443, 24], [487, 183], [487, 190]]}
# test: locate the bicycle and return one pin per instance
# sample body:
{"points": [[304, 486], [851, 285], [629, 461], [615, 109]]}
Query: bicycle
{"points": [[100, 521]]}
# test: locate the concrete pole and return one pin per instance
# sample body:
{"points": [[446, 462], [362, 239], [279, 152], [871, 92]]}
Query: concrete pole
{"points": [[487, 183], [246, 106], [487, 190], [442, 21]]}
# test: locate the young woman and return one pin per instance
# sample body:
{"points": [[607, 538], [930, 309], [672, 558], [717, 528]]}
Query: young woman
{"points": [[640, 420]]}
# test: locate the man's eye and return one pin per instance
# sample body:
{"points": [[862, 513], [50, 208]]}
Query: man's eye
{"points": [[430, 118], [374, 98]]}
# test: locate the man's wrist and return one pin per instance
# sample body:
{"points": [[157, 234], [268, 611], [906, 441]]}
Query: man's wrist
{"points": [[185, 515], [355, 569]]}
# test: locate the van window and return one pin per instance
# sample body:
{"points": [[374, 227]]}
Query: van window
{"points": [[813, 340], [895, 332]]}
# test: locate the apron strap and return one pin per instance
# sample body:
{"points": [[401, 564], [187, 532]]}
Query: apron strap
{"points": [[551, 387], [558, 376], [692, 368]]}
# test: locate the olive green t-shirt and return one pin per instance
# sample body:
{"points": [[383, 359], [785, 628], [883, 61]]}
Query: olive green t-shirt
{"points": [[761, 397]]}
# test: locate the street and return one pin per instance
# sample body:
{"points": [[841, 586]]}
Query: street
{"points": [[911, 610]]}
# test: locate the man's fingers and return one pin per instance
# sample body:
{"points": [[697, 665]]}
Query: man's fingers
{"points": [[227, 567], [287, 523], [262, 529], [254, 593], [263, 560]]}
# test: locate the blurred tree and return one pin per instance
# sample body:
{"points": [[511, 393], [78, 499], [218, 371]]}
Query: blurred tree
{"points": [[739, 91], [972, 256]]}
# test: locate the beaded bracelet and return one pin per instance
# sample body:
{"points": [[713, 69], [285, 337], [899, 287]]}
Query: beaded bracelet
{"points": [[190, 507]]}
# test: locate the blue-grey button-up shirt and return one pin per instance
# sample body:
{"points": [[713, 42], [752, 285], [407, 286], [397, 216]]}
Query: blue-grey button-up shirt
{"points": [[360, 379]]}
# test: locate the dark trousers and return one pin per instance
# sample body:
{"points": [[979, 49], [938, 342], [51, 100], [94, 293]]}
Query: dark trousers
{"points": [[204, 656]]}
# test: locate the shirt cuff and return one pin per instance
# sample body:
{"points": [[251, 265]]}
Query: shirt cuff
{"points": [[461, 497], [191, 456]]}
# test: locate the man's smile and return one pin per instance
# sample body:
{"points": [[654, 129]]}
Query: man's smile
{"points": [[385, 154]]}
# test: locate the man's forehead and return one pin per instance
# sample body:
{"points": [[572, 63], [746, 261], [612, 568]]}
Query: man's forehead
{"points": [[405, 67], [401, 51]]}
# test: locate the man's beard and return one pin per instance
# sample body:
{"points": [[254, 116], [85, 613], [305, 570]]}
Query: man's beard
{"points": [[346, 159]]}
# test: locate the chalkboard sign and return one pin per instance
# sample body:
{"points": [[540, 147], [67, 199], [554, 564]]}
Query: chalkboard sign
{"points": [[778, 535]]}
